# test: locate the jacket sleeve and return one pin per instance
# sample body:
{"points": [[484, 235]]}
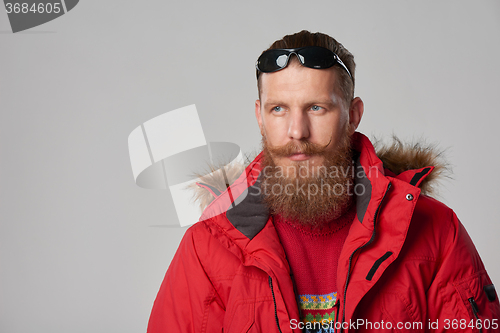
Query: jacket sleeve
{"points": [[187, 301], [462, 297]]}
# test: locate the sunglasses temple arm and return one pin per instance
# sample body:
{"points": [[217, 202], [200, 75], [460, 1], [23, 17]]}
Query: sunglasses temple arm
{"points": [[341, 63]]}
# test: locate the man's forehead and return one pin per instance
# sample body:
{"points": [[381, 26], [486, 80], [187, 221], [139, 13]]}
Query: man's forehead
{"points": [[301, 82]]}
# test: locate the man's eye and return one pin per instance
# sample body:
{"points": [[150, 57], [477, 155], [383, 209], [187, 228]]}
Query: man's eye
{"points": [[316, 108], [277, 109]]}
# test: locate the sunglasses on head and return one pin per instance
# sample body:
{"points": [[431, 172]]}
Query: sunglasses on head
{"points": [[310, 56]]}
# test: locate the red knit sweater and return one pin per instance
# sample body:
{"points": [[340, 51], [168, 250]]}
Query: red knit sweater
{"points": [[313, 255]]}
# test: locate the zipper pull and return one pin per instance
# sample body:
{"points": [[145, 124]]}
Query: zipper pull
{"points": [[474, 306], [475, 310]]}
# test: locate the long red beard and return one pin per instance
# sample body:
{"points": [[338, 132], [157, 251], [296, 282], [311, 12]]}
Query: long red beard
{"points": [[303, 193]]}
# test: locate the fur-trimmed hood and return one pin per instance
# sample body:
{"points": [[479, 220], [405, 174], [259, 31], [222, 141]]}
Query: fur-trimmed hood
{"points": [[397, 157]]}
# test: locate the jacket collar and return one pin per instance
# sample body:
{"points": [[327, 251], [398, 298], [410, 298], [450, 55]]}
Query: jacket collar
{"points": [[242, 214]]}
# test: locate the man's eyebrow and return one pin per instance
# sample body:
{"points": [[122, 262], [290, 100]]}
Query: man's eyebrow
{"points": [[271, 102], [329, 102], [324, 102]]}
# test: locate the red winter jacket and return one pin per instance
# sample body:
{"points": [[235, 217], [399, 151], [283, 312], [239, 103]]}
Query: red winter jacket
{"points": [[408, 265]]}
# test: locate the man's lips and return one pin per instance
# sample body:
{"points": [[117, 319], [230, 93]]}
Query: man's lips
{"points": [[299, 157]]}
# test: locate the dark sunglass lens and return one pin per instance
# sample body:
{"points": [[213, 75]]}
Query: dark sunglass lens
{"points": [[317, 57], [272, 60]]}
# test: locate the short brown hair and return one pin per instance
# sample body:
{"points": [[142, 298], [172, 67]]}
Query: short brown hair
{"points": [[306, 38]]}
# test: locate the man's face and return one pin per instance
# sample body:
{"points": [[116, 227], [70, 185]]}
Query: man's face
{"points": [[302, 104], [306, 126]]}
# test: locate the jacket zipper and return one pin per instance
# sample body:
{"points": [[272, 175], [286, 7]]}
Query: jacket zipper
{"points": [[274, 300], [475, 310], [360, 248]]}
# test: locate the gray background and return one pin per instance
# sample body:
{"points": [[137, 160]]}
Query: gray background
{"points": [[83, 249]]}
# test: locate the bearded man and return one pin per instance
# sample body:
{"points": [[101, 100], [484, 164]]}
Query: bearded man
{"points": [[320, 233]]}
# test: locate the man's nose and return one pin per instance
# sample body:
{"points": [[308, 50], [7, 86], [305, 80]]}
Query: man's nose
{"points": [[298, 126]]}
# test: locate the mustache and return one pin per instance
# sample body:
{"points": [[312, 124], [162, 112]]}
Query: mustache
{"points": [[293, 147]]}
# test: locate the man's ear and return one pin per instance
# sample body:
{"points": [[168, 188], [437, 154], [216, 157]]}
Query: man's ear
{"points": [[258, 115], [355, 113]]}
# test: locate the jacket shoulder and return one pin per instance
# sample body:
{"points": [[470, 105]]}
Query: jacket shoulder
{"points": [[434, 227], [433, 233], [438, 216], [213, 248]]}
